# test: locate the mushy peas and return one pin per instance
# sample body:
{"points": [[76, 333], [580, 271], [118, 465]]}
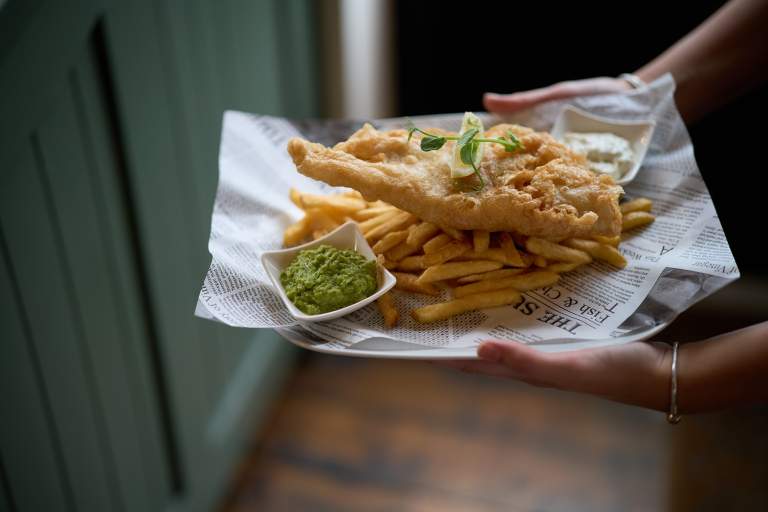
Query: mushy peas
{"points": [[325, 279]]}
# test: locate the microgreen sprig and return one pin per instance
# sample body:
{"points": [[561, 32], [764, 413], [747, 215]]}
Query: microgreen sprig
{"points": [[468, 144]]}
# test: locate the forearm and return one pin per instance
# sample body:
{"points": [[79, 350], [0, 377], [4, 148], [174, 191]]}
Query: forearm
{"points": [[725, 371], [724, 57]]}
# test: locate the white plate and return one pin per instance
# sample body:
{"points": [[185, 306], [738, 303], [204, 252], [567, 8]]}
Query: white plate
{"points": [[638, 133], [347, 236], [391, 349]]}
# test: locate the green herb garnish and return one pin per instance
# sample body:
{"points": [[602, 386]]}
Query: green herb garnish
{"points": [[468, 144]]}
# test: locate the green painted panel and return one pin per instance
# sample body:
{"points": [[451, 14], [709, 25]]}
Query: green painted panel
{"points": [[44, 282], [182, 74], [5, 497], [29, 447], [67, 151], [106, 216], [244, 46], [298, 54], [105, 167], [199, 54], [254, 55], [37, 55], [162, 216], [197, 114]]}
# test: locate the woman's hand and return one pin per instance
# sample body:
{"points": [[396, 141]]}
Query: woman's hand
{"points": [[633, 373], [508, 103], [724, 371]]}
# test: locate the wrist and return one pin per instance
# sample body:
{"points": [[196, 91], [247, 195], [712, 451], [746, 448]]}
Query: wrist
{"points": [[642, 379], [648, 73], [662, 377]]}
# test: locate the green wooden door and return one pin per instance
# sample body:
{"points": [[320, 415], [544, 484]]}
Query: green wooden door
{"points": [[115, 396]]}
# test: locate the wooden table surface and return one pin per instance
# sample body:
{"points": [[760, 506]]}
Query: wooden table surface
{"points": [[375, 435]]}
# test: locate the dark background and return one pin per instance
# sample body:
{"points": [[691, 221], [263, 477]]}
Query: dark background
{"points": [[530, 45]]}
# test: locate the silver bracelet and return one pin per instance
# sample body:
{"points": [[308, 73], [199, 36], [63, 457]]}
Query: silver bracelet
{"points": [[635, 81], [673, 417]]}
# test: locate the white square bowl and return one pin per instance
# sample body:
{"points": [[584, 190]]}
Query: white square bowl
{"points": [[638, 133], [346, 236]]}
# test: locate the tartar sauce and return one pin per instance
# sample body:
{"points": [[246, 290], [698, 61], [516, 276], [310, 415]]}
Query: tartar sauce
{"points": [[606, 153]]}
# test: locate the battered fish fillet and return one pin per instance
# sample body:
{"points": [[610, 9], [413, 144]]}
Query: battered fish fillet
{"points": [[544, 190]]}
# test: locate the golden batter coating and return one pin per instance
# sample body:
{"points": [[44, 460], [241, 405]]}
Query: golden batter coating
{"points": [[544, 190]]}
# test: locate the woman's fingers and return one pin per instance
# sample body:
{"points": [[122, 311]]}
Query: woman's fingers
{"points": [[479, 367], [513, 360], [633, 373], [508, 103], [532, 366]]}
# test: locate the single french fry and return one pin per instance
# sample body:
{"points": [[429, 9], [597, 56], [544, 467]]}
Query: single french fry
{"points": [[562, 268], [494, 274], [634, 220], [481, 239], [443, 310], [409, 282], [389, 241], [384, 262], [296, 232], [400, 220], [448, 251], [641, 204], [470, 279], [388, 310], [456, 234], [321, 218], [507, 244], [456, 269], [400, 251], [339, 203], [421, 233], [436, 242], [598, 251], [527, 259], [321, 222], [539, 261], [522, 282], [411, 263], [338, 216], [353, 194], [608, 240], [369, 213], [378, 220], [295, 197], [503, 273], [556, 252], [492, 254]]}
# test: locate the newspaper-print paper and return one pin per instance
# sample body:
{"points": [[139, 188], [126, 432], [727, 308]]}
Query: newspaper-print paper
{"points": [[673, 263]]}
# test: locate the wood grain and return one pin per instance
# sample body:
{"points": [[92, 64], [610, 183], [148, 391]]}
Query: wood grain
{"points": [[391, 435]]}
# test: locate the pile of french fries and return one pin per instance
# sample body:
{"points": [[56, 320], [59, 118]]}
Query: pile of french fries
{"points": [[482, 269]]}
